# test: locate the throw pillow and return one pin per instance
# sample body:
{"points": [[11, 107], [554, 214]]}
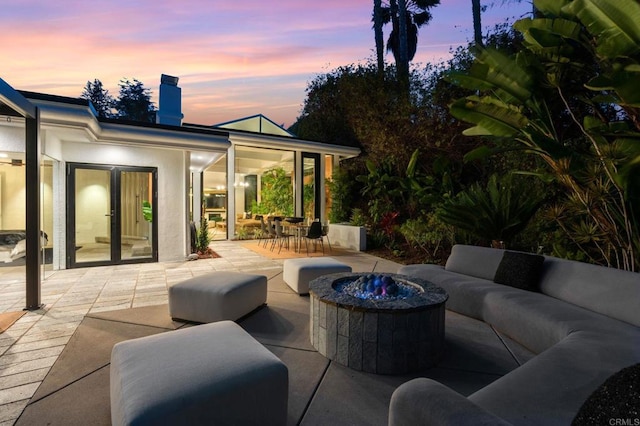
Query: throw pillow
{"points": [[520, 270]]}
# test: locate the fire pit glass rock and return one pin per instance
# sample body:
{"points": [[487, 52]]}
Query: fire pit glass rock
{"points": [[384, 324], [376, 286]]}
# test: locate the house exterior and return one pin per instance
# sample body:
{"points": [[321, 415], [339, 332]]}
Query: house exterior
{"points": [[79, 190]]}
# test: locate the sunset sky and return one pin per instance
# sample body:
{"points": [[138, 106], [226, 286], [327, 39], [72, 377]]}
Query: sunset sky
{"points": [[233, 58]]}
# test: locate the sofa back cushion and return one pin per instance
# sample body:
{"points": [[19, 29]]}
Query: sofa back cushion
{"points": [[479, 262], [608, 291]]}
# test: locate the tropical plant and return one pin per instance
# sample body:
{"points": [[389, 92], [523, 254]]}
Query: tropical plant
{"points": [[147, 211], [571, 98], [202, 236], [495, 213], [242, 233], [388, 192], [341, 194], [276, 193], [358, 218], [428, 234]]}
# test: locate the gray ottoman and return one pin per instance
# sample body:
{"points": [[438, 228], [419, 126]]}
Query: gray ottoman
{"points": [[298, 272], [203, 375], [217, 296]]}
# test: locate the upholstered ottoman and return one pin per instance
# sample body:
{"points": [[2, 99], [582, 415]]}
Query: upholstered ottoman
{"points": [[203, 375], [217, 296], [298, 272]]}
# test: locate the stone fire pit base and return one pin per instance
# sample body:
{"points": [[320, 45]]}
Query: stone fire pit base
{"points": [[390, 337]]}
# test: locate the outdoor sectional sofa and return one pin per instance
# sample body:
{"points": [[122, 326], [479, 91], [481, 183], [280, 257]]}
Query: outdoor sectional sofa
{"points": [[582, 321]]}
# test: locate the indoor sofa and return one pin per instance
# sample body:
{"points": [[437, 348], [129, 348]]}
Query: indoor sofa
{"points": [[582, 321]]}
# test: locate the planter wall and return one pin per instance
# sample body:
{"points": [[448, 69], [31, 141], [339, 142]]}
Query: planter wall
{"points": [[349, 236]]}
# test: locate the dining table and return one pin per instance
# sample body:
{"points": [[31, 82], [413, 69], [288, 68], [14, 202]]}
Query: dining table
{"points": [[298, 229]]}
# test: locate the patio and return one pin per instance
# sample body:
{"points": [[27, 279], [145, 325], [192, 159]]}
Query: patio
{"points": [[54, 363]]}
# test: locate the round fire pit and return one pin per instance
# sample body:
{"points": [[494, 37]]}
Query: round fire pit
{"points": [[378, 333]]}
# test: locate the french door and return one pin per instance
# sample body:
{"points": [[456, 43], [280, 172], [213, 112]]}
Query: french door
{"points": [[111, 215]]}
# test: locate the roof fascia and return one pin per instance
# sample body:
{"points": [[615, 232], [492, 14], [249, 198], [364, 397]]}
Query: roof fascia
{"points": [[289, 143], [18, 103], [120, 133], [67, 115]]}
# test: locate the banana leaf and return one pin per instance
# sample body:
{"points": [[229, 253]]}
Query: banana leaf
{"points": [[503, 72], [625, 84], [490, 119], [614, 24], [552, 7]]}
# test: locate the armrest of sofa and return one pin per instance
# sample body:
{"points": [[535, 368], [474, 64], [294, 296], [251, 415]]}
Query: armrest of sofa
{"points": [[426, 402]]}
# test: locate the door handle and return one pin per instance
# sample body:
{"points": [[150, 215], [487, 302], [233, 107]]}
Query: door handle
{"points": [[109, 214]]}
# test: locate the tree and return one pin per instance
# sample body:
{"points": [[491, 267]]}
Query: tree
{"points": [[476, 11], [100, 98], [379, 36], [570, 97], [134, 102], [406, 16]]}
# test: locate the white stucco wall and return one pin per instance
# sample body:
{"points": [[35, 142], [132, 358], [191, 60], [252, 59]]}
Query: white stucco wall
{"points": [[13, 137], [172, 186]]}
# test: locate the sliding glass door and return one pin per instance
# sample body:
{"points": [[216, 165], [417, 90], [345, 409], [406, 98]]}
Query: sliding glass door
{"points": [[111, 215]]}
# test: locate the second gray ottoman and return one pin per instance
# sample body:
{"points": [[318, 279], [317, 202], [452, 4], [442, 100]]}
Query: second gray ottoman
{"points": [[217, 296], [297, 273]]}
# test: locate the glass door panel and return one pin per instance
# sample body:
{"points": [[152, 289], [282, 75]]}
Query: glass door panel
{"points": [[136, 214], [310, 186], [93, 215], [46, 213]]}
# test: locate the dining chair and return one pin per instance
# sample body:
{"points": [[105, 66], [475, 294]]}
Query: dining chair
{"points": [[314, 233], [280, 236], [271, 229], [266, 235]]}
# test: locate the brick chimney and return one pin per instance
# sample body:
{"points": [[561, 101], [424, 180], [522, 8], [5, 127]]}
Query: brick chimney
{"points": [[170, 109]]}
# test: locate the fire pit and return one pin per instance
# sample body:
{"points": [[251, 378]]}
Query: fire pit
{"points": [[377, 323]]}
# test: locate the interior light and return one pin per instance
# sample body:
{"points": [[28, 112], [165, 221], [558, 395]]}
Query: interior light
{"points": [[3, 155]]}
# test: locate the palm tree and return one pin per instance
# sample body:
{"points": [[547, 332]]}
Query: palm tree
{"points": [[477, 24], [476, 10], [406, 16], [377, 29]]}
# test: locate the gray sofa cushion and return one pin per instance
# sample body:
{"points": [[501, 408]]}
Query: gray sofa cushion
{"points": [[466, 294], [479, 262], [537, 321], [519, 270], [424, 401], [612, 292], [550, 388]]}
